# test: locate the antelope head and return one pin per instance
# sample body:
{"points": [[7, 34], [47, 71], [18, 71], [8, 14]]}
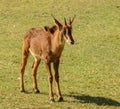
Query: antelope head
{"points": [[65, 30]]}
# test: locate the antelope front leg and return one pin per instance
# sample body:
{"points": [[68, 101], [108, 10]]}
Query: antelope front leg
{"points": [[50, 79], [34, 73], [56, 66]]}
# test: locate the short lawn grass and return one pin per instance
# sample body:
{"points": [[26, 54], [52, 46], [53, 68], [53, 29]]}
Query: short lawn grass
{"points": [[89, 70]]}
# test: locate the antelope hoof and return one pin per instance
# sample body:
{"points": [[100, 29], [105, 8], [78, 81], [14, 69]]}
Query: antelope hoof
{"points": [[22, 90], [36, 91], [52, 100], [60, 99]]}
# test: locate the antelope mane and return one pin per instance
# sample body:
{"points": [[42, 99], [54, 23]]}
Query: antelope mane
{"points": [[51, 29]]}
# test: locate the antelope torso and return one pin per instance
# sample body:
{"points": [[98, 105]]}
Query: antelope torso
{"points": [[44, 45]]}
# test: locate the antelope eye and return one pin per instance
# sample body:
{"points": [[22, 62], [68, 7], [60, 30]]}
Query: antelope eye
{"points": [[64, 31]]}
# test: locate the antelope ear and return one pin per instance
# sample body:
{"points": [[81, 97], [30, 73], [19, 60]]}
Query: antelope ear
{"points": [[57, 23]]}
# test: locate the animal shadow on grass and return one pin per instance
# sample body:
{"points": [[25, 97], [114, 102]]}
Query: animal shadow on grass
{"points": [[101, 101]]}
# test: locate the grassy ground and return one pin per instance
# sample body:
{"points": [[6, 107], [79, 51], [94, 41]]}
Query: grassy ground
{"points": [[89, 70]]}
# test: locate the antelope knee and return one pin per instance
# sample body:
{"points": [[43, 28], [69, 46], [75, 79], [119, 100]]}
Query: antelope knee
{"points": [[51, 79], [57, 78]]}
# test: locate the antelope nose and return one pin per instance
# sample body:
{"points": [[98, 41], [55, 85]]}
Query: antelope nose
{"points": [[72, 42]]}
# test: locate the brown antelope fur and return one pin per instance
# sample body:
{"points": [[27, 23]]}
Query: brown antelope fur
{"points": [[47, 44]]}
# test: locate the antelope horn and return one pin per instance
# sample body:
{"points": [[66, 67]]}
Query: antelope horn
{"points": [[65, 21], [72, 19]]}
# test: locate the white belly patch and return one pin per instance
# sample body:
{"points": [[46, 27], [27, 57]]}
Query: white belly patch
{"points": [[36, 56]]}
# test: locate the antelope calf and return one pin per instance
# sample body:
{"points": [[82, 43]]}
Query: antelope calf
{"points": [[47, 44]]}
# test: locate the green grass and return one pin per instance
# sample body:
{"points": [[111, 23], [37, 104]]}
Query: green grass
{"points": [[89, 70]]}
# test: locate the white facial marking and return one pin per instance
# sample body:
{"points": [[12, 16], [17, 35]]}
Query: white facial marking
{"points": [[68, 42]]}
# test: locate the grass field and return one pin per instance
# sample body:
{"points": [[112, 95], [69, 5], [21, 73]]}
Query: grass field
{"points": [[89, 70]]}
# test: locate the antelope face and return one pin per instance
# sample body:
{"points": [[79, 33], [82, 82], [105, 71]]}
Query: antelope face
{"points": [[65, 30], [67, 33]]}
